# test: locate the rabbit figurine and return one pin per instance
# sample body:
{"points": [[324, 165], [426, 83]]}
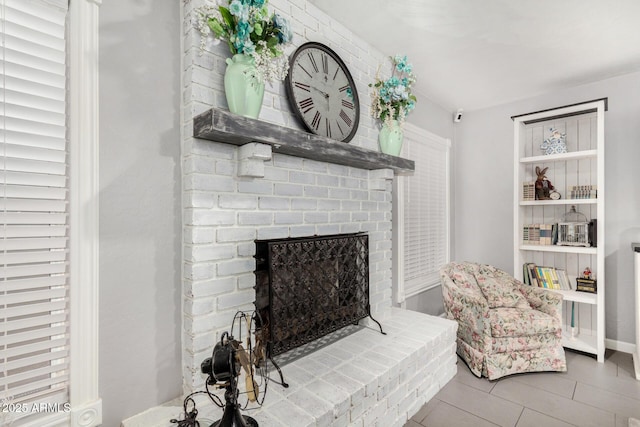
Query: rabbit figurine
{"points": [[543, 185]]}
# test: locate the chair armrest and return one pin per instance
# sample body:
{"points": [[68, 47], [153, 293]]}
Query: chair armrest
{"points": [[466, 306], [543, 300]]}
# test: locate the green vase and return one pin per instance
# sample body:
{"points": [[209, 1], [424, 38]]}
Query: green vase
{"points": [[390, 138], [244, 93]]}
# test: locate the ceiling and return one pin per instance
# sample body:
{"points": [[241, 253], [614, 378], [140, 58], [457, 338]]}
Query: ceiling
{"points": [[473, 54]]}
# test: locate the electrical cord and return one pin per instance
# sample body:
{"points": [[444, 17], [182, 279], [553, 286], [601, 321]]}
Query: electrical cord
{"points": [[189, 416]]}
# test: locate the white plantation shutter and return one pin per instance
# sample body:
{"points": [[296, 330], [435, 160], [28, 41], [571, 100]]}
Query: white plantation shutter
{"points": [[423, 212], [34, 294]]}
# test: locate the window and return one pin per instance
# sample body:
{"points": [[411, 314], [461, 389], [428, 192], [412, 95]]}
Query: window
{"points": [[48, 213], [421, 214], [34, 339]]}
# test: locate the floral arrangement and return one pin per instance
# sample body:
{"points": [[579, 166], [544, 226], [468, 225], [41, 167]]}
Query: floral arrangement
{"points": [[249, 29], [392, 98]]}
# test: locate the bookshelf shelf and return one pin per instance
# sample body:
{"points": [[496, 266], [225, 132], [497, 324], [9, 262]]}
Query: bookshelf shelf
{"points": [[582, 167], [559, 249], [586, 343], [558, 202], [582, 297], [584, 154]]}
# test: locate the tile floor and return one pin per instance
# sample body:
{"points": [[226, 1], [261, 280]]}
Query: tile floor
{"points": [[588, 394]]}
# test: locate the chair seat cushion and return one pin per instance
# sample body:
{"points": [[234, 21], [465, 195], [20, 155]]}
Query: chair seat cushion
{"points": [[516, 322]]}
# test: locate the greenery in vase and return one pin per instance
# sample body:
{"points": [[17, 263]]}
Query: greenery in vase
{"points": [[249, 29], [392, 98]]}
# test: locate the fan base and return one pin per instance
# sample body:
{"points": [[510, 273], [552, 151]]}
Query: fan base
{"points": [[233, 418], [248, 421]]}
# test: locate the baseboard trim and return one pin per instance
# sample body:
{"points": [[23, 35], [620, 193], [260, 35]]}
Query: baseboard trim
{"points": [[622, 346]]}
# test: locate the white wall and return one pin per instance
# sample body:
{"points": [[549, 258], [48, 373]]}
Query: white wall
{"points": [[483, 182], [140, 226]]}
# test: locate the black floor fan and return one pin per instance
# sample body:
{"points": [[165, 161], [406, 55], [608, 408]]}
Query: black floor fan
{"points": [[223, 369]]}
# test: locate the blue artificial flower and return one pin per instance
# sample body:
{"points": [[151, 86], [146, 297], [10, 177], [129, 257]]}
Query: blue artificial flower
{"points": [[257, 3], [401, 62], [384, 95], [236, 7], [248, 47], [349, 93], [284, 30], [243, 30]]}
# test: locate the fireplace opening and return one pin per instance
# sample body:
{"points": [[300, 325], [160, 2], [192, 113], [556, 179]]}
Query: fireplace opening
{"points": [[309, 287]]}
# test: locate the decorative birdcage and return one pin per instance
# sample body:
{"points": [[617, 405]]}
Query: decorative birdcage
{"points": [[573, 229]]}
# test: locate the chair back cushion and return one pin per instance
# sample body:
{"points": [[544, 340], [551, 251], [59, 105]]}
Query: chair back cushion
{"points": [[500, 293]]}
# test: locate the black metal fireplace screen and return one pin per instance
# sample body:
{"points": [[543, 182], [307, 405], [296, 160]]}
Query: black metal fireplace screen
{"points": [[309, 287]]}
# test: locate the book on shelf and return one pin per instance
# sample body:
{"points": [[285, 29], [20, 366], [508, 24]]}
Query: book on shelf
{"points": [[583, 192], [546, 277], [563, 278], [538, 234], [531, 275], [528, 191], [586, 285]]}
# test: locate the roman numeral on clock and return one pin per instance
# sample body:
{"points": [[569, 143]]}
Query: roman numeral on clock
{"points": [[316, 120], [313, 61], [302, 86], [348, 104], [328, 126], [343, 88], [306, 105], [346, 119], [325, 64]]}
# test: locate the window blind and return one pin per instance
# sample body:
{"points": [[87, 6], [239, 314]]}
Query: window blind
{"points": [[34, 330], [425, 211]]}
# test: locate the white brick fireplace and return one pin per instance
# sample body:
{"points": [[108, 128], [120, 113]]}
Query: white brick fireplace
{"points": [[234, 195], [225, 213]]}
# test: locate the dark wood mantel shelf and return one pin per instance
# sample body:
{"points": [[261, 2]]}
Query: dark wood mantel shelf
{"points": [[223, 126]]}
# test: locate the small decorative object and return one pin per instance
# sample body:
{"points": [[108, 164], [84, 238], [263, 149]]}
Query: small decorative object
{"points": [[322, 93], [583, 192], [555, 143], [543, 185], [392, 101], [390, 138], [554, 195], [586, 283], [573, 229], [256, 40]]}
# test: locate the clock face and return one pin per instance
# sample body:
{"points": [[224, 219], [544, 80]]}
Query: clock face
{"points": [[322, 93]]}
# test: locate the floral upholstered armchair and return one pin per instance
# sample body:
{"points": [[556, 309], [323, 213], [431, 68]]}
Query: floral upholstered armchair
{"points": [[504, 326]]}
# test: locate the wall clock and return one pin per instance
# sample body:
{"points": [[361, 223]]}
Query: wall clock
{"points": [[322, 93]]}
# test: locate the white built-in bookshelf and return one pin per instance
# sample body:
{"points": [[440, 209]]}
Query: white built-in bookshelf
{"points": [[581, 166]]}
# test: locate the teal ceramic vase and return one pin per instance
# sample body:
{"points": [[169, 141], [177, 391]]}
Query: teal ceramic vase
{"points": [[244, 93], [390, 138]]}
